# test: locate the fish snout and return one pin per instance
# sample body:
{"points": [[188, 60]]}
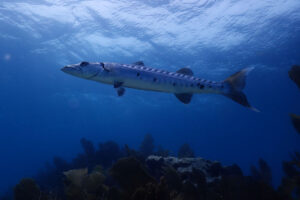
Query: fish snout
{"points": [[67, 69]]}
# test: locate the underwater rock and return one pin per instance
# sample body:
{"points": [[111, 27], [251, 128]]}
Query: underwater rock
{"points": [[294, 74], [185, 151], [186, 166], [147, 145], [27, 189], [130, 174], [296, 121]]}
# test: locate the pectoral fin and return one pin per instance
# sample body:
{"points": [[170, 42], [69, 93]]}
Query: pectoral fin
{"points": [[184, 97]]}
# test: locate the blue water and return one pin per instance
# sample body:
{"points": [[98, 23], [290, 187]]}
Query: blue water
{"points": [[44, 112]]}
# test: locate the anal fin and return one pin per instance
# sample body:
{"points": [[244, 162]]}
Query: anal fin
{"points": [[184, 97]]}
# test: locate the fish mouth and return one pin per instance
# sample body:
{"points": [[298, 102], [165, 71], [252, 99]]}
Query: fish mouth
{"points": [[71, 70], [67, 69]]}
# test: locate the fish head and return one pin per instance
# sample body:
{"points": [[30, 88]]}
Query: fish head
{"points": [[84, 69]]}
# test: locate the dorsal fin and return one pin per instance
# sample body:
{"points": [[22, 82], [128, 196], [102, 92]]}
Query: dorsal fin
{"points": [[184, 97], [139, 63], [185, 71]]}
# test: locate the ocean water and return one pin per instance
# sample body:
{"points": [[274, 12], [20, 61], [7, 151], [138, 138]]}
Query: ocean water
{"points": [[45, 112]]}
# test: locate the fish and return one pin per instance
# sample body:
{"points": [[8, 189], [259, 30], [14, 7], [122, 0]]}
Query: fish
{"points": [[182, 83]]}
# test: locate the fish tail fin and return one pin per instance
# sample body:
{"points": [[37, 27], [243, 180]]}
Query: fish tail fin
{"points": [[234, 85]]}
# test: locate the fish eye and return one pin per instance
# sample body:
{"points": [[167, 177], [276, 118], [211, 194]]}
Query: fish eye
{"points": [[84, 63]]}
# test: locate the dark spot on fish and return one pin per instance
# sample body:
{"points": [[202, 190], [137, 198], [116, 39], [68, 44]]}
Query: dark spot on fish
{"points": [[174, 84], [154, 79], [138, 74], [192, 85], [200, 85]]}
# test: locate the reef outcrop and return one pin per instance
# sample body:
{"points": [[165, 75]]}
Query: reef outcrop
{"points": [[186, 167], [130, 175]]}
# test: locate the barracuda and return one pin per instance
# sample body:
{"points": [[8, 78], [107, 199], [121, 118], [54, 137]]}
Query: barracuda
{"points": [[182, 83]]}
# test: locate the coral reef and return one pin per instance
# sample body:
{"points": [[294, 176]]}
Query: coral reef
{"points": [[111, 173], [186, 167]]}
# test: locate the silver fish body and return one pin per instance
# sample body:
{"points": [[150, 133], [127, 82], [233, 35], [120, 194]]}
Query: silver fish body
{"points": [[147, 78], [182, 83]]}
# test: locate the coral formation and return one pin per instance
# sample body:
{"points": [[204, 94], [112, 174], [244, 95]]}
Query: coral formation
{"points": [[130, 175]]}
